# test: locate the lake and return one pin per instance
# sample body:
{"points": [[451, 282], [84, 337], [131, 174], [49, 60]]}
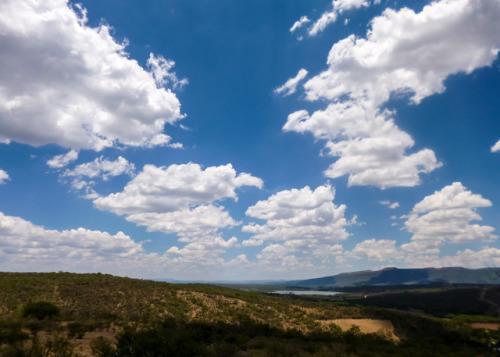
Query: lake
{"points": [[306, 292]]}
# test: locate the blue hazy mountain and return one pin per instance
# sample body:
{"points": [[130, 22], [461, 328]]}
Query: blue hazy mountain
{"points": [[395, 276]]}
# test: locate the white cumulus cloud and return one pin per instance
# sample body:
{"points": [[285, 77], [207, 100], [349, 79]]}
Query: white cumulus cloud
{"points": [[188, 223], [301, 220], [372, 150], [63, 82], [404, 53], [378, 250], [299, 214], [182, 199], [446, 216], [169, 189], [25, 246], [102, 168], [413, 52]]}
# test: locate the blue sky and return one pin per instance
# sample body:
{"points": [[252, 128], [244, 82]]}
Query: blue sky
{"points": [[252, 139]]}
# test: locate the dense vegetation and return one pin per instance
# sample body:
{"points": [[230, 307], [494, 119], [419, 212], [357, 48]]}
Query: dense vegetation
{"points": [[63, 315]]}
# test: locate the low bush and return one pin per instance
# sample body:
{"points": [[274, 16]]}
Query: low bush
{"points": [[40, 310]]}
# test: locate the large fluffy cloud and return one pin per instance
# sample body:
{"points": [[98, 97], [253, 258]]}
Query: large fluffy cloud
{"points": [[181, 199], [299, 214], [300, 220], [446, 215], [379, 250], [403, 52], [169, 189], [25, 246], [414, 52], [372, 150], [65, 83], [441, 218]]}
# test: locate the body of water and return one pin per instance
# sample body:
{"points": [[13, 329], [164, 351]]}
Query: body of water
{"points": [[306, 292]]}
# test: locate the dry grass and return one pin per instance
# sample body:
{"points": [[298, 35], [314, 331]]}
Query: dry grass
{"points": [[380, 327], [488, 326]]}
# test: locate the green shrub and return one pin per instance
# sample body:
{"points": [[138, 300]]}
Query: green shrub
{"points": [[10, 332], [40, 310]]}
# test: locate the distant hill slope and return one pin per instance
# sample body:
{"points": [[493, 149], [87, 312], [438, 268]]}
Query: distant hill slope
{"points": [[395, 276]]}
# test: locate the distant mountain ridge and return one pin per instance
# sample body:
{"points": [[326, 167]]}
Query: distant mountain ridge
{"points": [[395, 276]]}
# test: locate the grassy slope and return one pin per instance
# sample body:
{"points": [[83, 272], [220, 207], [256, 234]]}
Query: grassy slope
{"points": [[256, 322]]}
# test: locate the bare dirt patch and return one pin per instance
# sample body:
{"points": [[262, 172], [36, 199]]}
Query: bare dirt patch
{"points": [[365, 325], [382, 327], [488, 326]]}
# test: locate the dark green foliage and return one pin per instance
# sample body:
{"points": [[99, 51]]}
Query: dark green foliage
{"points": [[167, 339], [40, 310], [440, 302], [178, 338], [10, 332], [56, 347], [78, 328]]}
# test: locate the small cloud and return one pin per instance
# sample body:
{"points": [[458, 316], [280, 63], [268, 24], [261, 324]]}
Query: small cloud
{"points": [[391, 205], [162, 140], [59, 161], [496, 147], [298, 24], [329, 17], [161, 70], [291, 85], [3, 177], [100, 168]]}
